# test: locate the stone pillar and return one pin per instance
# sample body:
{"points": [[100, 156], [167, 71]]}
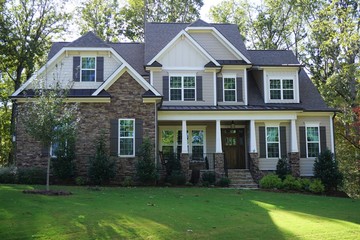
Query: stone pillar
{"points": [[219, 165], [185, 164], [294, 161], [254, 167]]}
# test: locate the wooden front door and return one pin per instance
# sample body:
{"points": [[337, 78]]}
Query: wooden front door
{"points": [[233, 143]]}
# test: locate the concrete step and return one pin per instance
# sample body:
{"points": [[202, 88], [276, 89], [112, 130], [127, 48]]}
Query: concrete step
{"points": [[241, 178]]}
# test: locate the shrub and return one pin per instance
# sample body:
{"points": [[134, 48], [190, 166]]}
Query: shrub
{"points": [[145, 167], [270, 181], [173, 163], [63, 165], [305, 184], [128, 182], [101, 168], [80, 181], [8, 174], [224, 182], [177, 178], [291, 183], [31, 175], [316, 186], [283, 168], [209, 177], [326, 169]]}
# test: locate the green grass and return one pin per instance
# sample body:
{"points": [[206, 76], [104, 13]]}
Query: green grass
{"points": [[175, 213]]}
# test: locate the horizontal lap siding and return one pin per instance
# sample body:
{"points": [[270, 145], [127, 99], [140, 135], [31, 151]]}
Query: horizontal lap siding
{"points": [[239, 74]]}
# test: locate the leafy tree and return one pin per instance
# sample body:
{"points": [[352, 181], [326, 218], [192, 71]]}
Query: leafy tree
{"points": [[49, 119], [145, 167], [26, 29], [101, 167], [102, 17]]}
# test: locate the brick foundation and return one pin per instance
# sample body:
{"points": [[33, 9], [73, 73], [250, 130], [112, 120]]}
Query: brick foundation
{"points": [[294, 161]]}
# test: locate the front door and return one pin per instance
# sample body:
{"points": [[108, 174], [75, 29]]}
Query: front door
{"points": [[233, 143]]}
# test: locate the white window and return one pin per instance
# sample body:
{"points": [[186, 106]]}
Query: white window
{"points": [[197, 142], [312, 141], [229, 88], [127, 137], [182, 88], [272, 142], [88, 69], [281, 89]]}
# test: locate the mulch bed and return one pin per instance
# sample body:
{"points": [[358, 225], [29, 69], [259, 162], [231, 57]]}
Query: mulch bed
{"points": [[48, 193]]}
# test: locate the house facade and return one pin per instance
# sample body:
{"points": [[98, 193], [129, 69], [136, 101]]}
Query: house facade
{"points": [[195, 91]]}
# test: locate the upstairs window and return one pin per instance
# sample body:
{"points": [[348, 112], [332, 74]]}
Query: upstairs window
{"points": [[88, 69], [182, 88], [281, 89], [229, 89]]}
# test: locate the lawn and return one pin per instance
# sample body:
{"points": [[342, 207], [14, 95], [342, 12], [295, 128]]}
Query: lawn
{"points": [[175, 213]]}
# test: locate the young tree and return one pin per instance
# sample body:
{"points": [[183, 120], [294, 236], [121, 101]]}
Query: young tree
{"points": [[48, 119], [146, 171]]}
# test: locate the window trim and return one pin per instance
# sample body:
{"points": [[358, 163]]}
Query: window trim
{"points": [[282, 89], [182, 76], [307, 125], [223, 83], [281, 73], [133, 137], [266, 141], [81, 69]]}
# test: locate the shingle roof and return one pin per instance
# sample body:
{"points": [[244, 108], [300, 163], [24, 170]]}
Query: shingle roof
{"points": [[89, 39], [55, 48], [272, 57], [199, 23], [72, 93]]}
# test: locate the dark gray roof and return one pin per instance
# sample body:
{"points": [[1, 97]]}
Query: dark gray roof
{"points": [[272, 57], [55, 48], [310, 98], [133, 53], [154, 64], [158, 35], [75, 93], [229, 108], [89, 39], [232, 62]]}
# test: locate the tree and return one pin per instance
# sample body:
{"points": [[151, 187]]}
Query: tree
{"points": [[145, 167], [103, 18], [26, 29], [49, 119]]}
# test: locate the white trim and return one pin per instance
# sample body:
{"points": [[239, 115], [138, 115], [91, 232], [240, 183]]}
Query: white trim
{"points": [[133, 137], [229, 75], [81, 69], [218, 148], [215, 88], [253, 146], [312, 124], [151, 77], [227, 44], [179, 35], [278, 142], [245, 89], [281, 74], [264, 87], [332, 134], [182, 76], [294, 139]]}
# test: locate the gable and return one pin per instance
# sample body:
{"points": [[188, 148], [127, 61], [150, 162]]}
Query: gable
{"points": [[213, 46], [182, 53]]}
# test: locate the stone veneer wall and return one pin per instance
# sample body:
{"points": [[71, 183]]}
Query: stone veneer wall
{"points": [[126, 102], [254, 167], [294, 161]]}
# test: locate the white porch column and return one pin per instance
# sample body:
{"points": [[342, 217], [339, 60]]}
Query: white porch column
{"points": [[184, 148], [253, 147], [218, 137], [294, 140]]}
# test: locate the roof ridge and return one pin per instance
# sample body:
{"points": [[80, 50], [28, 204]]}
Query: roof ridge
{"points": [[274, 50]]}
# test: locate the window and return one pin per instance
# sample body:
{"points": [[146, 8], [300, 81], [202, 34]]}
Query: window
{"points": [[229, 89], [281, 89], [312, 141], [127, 137], [167, 142], [182, 88], [272, 142], [197, 142], [88, 66], [53, 148]]}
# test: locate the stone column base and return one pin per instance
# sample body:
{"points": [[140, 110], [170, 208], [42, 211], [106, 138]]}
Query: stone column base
{"points": [[185, 164], [219, 165], [254, 167], [294, 161]]}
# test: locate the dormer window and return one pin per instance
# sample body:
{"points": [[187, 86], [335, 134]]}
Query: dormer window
{"points": [[229, 88], [182, 88], [88, 69], [281, 89], [281, 86]]}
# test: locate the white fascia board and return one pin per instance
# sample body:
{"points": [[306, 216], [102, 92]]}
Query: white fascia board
{"points": [[181, 33]]}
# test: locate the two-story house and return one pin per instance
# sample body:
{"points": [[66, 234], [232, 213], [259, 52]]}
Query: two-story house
{"points": [[194, 90]]}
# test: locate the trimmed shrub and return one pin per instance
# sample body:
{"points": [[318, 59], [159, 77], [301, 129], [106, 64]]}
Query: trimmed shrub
{"points": [[291, 183], [128, 182], [8, 174], [145, 167], [209, 177], [101, 167], [80, 181], [173, 163], [31, 175], [316, 186], [326, 169], [224, 182], [283, 168], [177, 178], [270, 181], [305, 184]]}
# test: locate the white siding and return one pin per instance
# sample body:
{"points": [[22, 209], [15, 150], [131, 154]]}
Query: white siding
{"points": [[61, 71], [213, 46]]}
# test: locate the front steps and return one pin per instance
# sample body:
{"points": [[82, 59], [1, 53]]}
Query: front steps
{"points": [[241, 178]]}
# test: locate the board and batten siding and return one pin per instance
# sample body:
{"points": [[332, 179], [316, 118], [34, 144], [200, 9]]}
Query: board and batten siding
{"points": [[61, 71], [307, 164], [213, 46], [239, 74]]}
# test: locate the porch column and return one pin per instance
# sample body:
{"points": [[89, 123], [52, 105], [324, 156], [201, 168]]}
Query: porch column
{"points": [[253, 148], [184, 148], [218, 137], [294, 144]]}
